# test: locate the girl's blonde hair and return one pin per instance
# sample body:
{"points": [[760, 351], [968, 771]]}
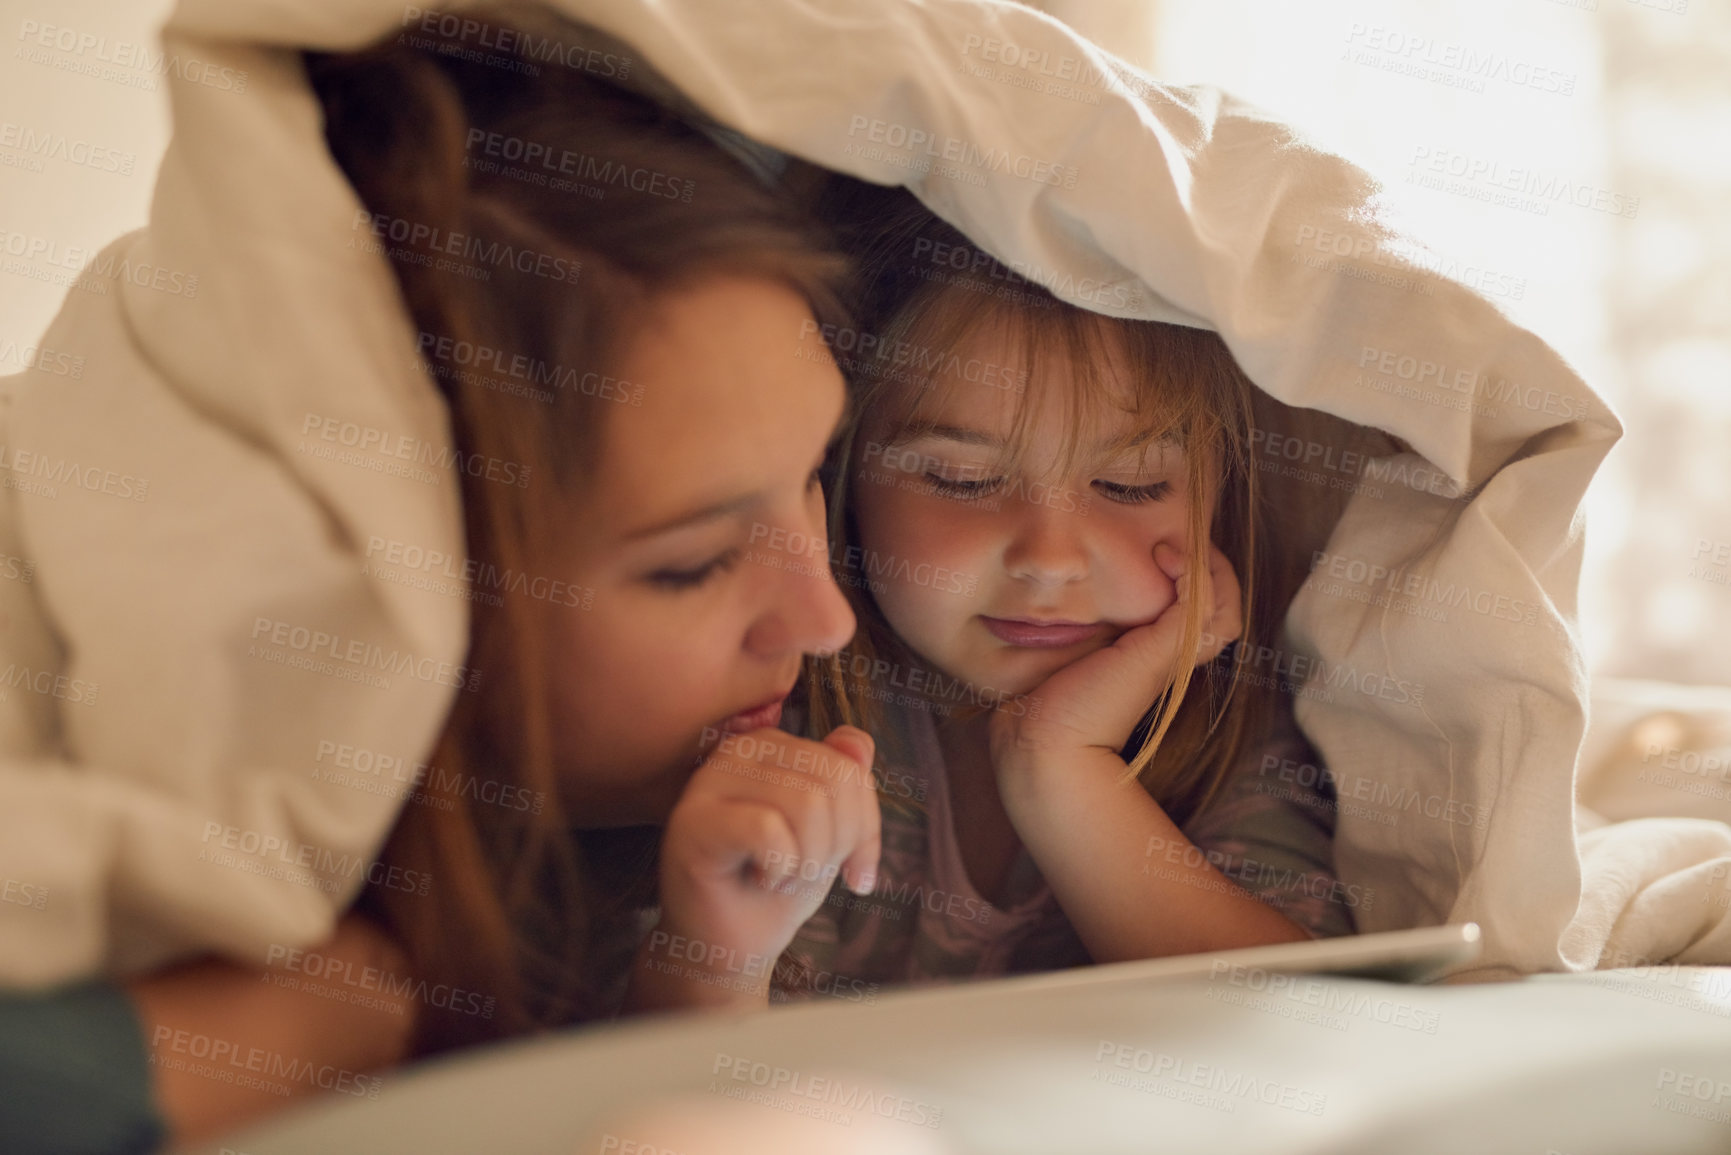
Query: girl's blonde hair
{"points": [[1184, 384]]}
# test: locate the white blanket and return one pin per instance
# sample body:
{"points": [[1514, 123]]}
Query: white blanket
{"points": [[156, 817]]}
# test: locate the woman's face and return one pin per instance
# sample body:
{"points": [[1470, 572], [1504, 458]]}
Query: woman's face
{"points": [[1011, 576], [695, 496]]}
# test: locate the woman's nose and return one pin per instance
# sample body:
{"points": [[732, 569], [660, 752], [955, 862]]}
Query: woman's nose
{"points": [[804, 610], [820, 621]]}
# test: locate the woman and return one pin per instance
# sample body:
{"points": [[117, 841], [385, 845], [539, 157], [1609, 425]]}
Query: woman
{"points": [[688, 407]]}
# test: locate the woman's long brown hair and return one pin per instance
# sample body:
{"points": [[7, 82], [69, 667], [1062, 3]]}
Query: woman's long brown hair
{"points": [[526, 915]]}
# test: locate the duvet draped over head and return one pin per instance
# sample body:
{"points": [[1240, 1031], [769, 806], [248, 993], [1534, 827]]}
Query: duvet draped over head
{"points": [[1443, 684]]}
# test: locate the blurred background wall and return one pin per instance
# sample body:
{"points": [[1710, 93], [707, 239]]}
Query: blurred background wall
{"points": [[1630, 99]]}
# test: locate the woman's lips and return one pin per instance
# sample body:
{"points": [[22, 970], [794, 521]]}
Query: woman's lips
{"points": [[1036, 634], [761, 717]]}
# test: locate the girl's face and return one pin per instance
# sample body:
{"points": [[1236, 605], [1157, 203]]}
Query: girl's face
{"points": [[691, 622], [998, 578]]}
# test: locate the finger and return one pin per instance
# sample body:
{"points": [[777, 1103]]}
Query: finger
{"points": [[806, 803], [858, 822], [858, 817], [855, 743], [1171, 560], [739, 838], [1224, 622]]}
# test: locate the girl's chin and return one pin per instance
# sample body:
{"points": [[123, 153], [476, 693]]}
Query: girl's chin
{"points": [[1000, 677]]}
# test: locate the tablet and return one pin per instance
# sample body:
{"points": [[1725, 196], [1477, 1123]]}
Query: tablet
{"points": [[1405, 956]]}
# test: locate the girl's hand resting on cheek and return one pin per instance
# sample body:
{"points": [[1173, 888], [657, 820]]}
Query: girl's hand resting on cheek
{"points": [[765, 826], [1096, 701]]}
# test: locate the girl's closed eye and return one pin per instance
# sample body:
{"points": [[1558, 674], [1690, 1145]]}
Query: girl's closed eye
{"points": [[1134, 494], [961, 481], [963, 487]]}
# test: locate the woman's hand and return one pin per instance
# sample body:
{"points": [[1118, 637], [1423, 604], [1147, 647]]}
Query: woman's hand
{"points": [[1096, 701], [231, 1043], [764, 827]]}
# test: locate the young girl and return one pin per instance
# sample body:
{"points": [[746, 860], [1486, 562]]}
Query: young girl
{"points": [[1025, 514], [684, 406]]}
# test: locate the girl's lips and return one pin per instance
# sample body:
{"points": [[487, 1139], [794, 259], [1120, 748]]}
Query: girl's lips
{"points": [[1050, 635], [757, 718]]}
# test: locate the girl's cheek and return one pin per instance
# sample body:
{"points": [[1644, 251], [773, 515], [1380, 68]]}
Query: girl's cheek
{"points": [[1135, 589], [921, 529]]}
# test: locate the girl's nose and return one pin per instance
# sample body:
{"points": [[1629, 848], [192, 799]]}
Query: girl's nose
{"points": [[1046, 546]]}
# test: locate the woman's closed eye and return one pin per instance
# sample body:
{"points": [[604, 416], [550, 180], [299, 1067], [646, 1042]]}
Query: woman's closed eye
{"points": [[684, 579], [675, 579]]}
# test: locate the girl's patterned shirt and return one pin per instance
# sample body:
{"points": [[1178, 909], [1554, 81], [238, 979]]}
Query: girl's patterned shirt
{"points": [[1269, 830]]}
